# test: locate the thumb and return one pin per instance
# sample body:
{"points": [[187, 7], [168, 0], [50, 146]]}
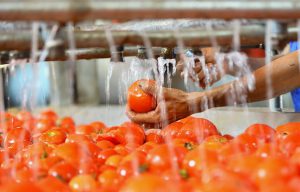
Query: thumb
{"points": [[149, 88]]}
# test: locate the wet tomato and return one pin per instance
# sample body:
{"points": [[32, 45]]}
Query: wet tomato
{"points": [[154, 135], [53, 136], [287, 129], [17, 135], [138, 100], [63, 171], [83, 183], [50, 184], [262, 132]]}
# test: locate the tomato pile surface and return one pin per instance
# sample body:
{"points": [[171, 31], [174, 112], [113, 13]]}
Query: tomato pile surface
{"points": [[48, 153]]}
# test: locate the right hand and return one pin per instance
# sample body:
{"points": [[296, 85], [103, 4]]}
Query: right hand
{"points": [[207, 73]]}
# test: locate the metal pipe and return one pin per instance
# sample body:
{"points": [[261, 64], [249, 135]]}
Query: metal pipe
{"points": [[78, 10], [250, 35]]}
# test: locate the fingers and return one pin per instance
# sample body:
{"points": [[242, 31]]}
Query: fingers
{"points": [[148, 88], [152, 117]]}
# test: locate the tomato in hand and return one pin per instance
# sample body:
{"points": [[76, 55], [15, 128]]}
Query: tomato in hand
{"points": [[138, 100]]}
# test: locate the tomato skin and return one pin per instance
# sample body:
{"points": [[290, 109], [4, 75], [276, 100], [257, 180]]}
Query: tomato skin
{"points": [[104, 154], [63, 170], [197, 129], [171, 130], [289, 143], [262, 132], [67, 124], [53, 136], [109, 178], [163, 157], [13, 186], [287, 129], [104, 144], [154, 135], [198, 159], [214, 142], [83, 183], [17, 135], [147, 183], [50, 184], [138, 100]]}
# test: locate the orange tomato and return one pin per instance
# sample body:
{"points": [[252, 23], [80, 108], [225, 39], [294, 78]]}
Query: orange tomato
{"points": [[83, 183], [138, 100], [53, 136], [262, 132]]}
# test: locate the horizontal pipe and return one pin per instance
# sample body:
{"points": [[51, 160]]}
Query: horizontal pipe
{"points": [[250, 35], [78, 10]]}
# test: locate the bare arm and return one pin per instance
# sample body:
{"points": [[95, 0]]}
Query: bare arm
{"points": [[285, 76]]}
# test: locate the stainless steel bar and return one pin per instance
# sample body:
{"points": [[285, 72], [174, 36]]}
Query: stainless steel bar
{"points": [[76, 10], [249, 35]]}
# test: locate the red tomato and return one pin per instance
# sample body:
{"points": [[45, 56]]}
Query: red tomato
{"points": [[23, 186], [104, 144], [290, 143], [50, 184], [262, 132], [171, 130], [109, 178], [199, 159], [17, 135], [197, 129], [163, 157], [67, 124], [53, 136], [138, 100], [83, 183], [49, 115], [245, 143], [288, 128], [104, 154], [63, 171], [214, 142], [154, 135], [147, 183]]}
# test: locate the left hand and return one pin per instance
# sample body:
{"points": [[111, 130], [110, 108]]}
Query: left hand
{"points": [[174, 104]]}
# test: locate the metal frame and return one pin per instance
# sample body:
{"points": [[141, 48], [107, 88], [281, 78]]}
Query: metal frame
{"points": [[78, 10]]}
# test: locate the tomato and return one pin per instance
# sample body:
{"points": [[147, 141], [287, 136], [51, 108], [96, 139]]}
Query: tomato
{"points": [[197, 129], [75, 138], [289, 144], [274, 169], [43, 125], [171, 130], [98, 125], [288, 128], [147, 183], [53, 136], [163, 157], [199, 159], [146, 147], [49, 115], [113, 160], [83, 183], [50, 184], [104, 154], [87, 130], [138, 100], [267, 150], [154, 135], [63, 171], [241, 163], [214, 142], [104, 144], [262, 132], [8, 122], [17, 135], [109, 178], [25, 175], [245, 143], [67, 124], [23, 186]]}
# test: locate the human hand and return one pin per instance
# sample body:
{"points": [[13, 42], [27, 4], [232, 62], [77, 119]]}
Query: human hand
{"points": [[205, 73], [172, 104]]}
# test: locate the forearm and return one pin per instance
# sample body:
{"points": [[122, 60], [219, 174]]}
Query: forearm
{"points": [[284, 76]]}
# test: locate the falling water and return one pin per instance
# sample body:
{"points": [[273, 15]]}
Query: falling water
{"points": [[268, 47]]}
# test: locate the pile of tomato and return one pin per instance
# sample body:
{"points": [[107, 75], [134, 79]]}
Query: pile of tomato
{"points": [[48, 153]]}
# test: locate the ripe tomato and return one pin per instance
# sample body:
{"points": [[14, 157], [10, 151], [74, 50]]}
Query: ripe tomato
{"points": [[147, 183], [104, 154], [49, 115], [244, 143], [288, 128], [289, 144], [113, 160], [109, 178], [197, 129], [171, 130], [138, 100], [50, 184], [214, 142], [262, 132], [154, 135], [83, 183], [63, 171], [17, 135], [104, 144], [43, 125], [163, 157], [53, 136], [199, 159], [67, 124], [274, 169], [14, 186]]}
